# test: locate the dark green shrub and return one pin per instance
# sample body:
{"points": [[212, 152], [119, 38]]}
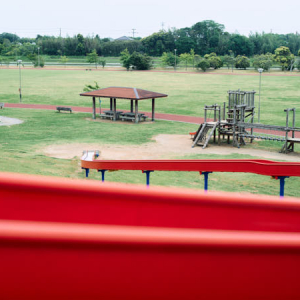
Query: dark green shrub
{"points": [[203, 65], [242, 62]]}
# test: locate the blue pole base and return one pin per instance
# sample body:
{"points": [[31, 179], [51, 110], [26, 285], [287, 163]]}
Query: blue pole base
{"points": [[205, 180], [147, 177], [103, 174]]}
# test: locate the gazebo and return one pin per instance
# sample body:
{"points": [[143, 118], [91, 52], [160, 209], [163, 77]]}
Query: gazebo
{"points": [[132, 94]]}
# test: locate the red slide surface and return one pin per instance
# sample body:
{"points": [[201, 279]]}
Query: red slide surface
{"points": [[79, 239], [262, 167]]}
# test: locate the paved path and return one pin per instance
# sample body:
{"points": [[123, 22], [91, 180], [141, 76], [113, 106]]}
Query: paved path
{"points": [[159, 116]]}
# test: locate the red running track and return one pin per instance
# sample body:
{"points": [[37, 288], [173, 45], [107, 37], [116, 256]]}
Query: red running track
{"points": [[77, 239], [159, 116]]}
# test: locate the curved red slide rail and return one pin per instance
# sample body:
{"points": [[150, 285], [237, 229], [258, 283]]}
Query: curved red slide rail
{"points": [[78, 239], [262, 167]]}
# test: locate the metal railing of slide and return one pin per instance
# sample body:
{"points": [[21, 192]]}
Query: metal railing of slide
{"points": [[277, 170]]}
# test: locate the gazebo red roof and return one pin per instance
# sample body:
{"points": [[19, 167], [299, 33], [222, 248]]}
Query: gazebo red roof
{"points": [[124, 93]]}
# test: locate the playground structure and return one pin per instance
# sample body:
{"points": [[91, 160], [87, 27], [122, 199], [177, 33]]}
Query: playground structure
{"points": [[277, 170], [239, 124], [76, 239]]}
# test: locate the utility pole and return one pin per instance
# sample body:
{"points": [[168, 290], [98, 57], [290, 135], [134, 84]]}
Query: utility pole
{"points": [[59, 32], [162, 26], [133, 30]]}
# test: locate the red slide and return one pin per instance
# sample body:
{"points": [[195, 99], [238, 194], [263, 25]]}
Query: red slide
{"points": [[79, 239]]}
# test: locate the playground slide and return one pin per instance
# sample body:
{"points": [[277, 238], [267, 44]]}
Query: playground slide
{"points": [[78, 239], [261, 167]]}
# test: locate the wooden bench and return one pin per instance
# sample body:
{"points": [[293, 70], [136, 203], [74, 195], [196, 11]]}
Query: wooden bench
{"points": [[109, 114], [131, 116], [1, 105], [59, 108]]}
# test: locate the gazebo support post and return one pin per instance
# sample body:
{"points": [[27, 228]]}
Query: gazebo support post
{"points": [[153, 109], [136, 111], [115, 109], [131, 106], [94, 108], [111, 106]]}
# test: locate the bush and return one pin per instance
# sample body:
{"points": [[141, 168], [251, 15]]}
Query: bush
{"points": [[215, 61], [140, 61], [168, 59], [203, 65], [264, 61], [228, 61], [125, 59], [242, 62]]}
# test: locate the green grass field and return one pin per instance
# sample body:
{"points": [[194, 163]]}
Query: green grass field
{"points": [[21, 145], [188, 93]]}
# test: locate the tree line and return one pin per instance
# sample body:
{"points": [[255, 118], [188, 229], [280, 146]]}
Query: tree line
{"points": [[203, 37]]}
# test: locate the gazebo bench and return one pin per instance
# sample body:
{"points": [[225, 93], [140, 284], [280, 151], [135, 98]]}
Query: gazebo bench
{"points": [[109, 114], [131, 116], [59, 108]]}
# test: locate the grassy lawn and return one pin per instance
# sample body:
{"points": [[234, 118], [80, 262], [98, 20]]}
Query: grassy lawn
{"points": [[188, 93], [22, 147]]}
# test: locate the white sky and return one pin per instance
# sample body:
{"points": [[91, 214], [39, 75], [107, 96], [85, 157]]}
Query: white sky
{"points": [[116, 18]]}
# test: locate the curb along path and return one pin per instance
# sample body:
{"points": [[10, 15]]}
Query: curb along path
{"points": [[158, 116]]}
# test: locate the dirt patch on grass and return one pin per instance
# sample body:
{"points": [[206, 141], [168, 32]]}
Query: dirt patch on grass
{"points": [[164, 147]]}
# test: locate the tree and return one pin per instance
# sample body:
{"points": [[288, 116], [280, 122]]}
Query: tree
{"points": [[228, 61], [39, 61], [240, 45], [206, 35], [125, 59], [64, 60], [203, 65], [284, 57], [92, 57], [168, 59], [215, 62], [102, 62], [263, 61], [140, 61], [186, 58], [80, 49], [90, 87], [192, 53], [242, 62]]}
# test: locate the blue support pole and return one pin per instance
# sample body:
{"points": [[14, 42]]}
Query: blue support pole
{"points": [[87, 171], [205, 180], [147, 177], [103, 174], [282, 183]]}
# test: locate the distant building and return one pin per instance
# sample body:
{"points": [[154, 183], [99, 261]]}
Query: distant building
{"points": [[124, 38]]}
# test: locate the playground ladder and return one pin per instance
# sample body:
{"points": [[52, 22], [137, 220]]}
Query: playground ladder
{"points": [[205, 133]]}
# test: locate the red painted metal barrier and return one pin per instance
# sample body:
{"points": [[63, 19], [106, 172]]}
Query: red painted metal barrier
{"points": [[76, 239]]}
